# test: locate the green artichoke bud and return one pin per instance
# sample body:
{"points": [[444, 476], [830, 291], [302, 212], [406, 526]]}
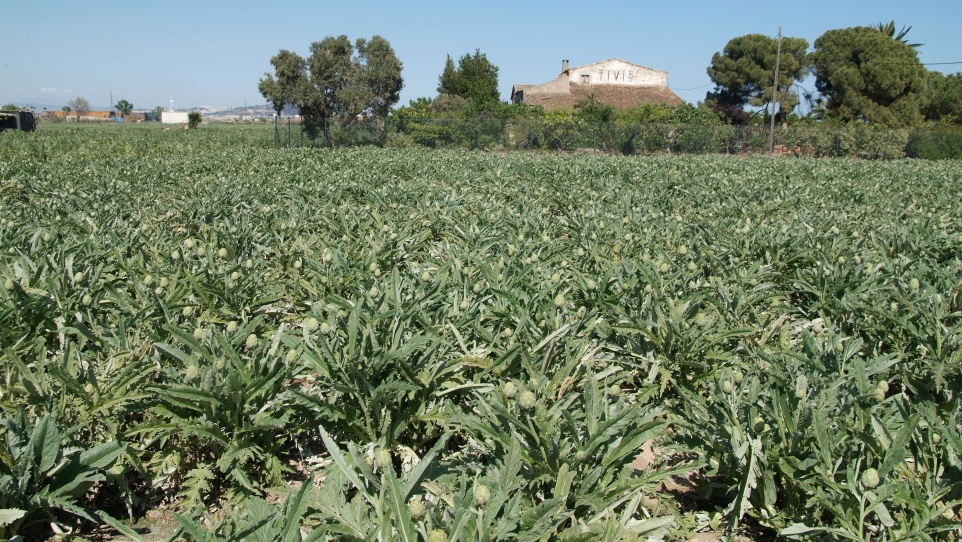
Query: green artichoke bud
{"points": [[527, 399], [481, 495], [870, 478], [416, 508], [438, 535], [510, 389], [382, 458]]}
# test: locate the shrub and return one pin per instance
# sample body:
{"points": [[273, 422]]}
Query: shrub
{"points": [[193, 119], [935, 144]]}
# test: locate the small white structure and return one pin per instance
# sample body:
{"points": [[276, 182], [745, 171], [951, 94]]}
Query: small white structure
{"points": [[173, 117]]}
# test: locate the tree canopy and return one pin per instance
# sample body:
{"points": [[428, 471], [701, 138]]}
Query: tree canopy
{"points": [[744, 74], [943, 98], [339, 81], [866, 74], [475, 79], [591, 110], [124, 107], [288, 84], [80, 106]]}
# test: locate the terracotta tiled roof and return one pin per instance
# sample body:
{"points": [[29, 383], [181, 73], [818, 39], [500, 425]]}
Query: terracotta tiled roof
{"points": [[619, 96]]}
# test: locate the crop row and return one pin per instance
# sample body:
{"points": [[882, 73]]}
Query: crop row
{"points": [[450, 345]]}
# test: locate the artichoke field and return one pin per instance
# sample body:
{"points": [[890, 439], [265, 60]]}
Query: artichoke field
{"points": [[289, 344]]}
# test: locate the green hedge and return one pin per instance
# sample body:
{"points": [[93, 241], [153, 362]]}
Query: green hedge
{"points": [[935, 144]]}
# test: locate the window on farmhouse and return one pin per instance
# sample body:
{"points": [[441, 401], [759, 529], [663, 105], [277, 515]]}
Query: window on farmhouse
{"points": [[584, 78]]}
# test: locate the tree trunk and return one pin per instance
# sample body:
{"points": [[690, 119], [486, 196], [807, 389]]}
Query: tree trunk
{"points": [[326, 128]]}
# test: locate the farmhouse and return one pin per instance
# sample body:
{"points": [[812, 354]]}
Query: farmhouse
{"points": [[614, 82]]}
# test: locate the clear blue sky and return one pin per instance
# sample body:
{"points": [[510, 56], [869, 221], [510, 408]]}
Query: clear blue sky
{"points": [[212, 53]]}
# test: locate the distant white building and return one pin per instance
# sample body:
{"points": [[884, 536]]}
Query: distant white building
{"points": [[173, 117], [614, 82]]}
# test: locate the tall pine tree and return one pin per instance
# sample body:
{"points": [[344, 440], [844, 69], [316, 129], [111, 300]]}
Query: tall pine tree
{"points": [[475, 79]]}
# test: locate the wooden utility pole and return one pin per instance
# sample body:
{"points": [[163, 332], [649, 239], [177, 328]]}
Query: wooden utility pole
{"points": [[778, 58]]}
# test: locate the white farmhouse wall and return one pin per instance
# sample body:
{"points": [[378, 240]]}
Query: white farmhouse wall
{"points": [[173, 117], [618, 72]]}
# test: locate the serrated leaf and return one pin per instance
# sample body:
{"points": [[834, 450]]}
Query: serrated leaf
{"points": [[397, 502], [119, 526], [10, 515], [346, 469], [882, 513], [103, 455], [294, 509], [45, 443]]}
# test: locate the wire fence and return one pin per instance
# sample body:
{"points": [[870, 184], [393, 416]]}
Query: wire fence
{"points": [[851, 140]]}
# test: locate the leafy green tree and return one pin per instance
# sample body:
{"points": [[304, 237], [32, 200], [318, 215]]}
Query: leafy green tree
{"points": [[80, 106], [380, 76], [591, 110], [9, 107], [339, 81], [124, 107], [158, 111], [193, 119], [445, 106], [744, 74], [288, 84], [864, 74], [667, 114], [943, 98], [475, 79]]}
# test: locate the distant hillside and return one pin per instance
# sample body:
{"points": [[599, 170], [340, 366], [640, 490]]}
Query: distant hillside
{"points": [[289, 111]]}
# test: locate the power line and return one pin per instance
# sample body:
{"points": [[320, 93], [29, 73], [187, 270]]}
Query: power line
{"points": [[895, 63], [693, 88], [902, 63]]}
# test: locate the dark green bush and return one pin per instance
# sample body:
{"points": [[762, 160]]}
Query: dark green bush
{"points": [[935, 144], [193, 119]]}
